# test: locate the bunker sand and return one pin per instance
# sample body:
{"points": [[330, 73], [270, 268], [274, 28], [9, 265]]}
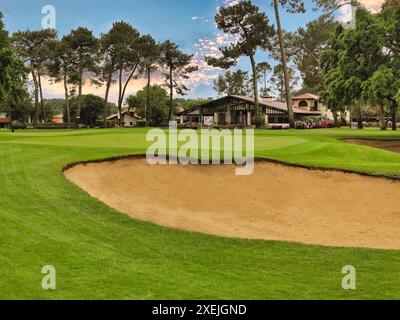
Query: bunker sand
{"points": [[393, 146], [277, 202]]}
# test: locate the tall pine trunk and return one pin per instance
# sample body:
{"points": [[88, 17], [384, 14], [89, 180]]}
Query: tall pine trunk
{"points": [[122, 91], [147, 109], [79, 103], [44, 118], [284, 64], [255, 88], [360, 124], [36, 94], [105, 106], [336, 118], [120, 97], [382, 117], [10, 114], [67, 102], [394, 115], [171, 94]]}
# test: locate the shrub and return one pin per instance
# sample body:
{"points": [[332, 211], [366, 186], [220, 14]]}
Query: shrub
{"points": [[141, 124], [314, 123], [100, 124], [18, 125], [50, 125]]}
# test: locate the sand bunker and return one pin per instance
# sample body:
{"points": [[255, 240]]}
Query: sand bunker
{"points": [[277, 202], [393, 146]]}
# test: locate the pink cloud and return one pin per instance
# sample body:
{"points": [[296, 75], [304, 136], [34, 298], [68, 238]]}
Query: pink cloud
{"points": [[56, 90], [373, 5]]}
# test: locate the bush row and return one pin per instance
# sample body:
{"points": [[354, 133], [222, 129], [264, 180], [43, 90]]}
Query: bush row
{"points": [[318, 122]]}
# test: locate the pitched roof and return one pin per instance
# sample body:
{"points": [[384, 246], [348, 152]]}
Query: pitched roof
{"points": [[130, 111], [306, 96], [276, 105], [5, 120]]}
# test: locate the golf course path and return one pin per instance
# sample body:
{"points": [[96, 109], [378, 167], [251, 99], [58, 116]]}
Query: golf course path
{"points": [[277, 202]]}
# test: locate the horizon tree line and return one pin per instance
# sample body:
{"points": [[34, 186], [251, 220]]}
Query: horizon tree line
{"points": [[118, 56], [321, 52]]}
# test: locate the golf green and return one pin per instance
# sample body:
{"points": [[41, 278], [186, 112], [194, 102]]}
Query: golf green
{"points": [[100, 253]]}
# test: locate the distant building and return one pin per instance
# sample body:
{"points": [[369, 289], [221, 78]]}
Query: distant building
{"points": [[129, 117], [58, 119], [5, 121], [240, 110]]}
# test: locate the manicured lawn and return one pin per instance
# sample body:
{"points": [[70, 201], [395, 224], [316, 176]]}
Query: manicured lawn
{"points": [[102, 254]]}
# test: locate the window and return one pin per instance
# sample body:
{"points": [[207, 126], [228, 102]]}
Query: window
{"points": [[316, 106], [303, 104]]}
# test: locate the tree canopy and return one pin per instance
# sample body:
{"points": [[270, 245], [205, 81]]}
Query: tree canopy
{"points": [[158, 111], [234, 83], [178, 65], [251, 30]]}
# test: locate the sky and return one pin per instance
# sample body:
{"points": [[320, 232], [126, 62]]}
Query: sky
{"points": [[189, 23]]}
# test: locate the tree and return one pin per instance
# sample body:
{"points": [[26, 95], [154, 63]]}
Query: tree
{"points": [[13, 78], [381, 89], [351, 58], [292, 6], [305, 47], [60, 68], [151, 56], [191, 103], [233, 83], [263, 69], [108, 61], [331, 6], [389, 22], [83, 46], [129, 53], [179, 67], [298, 6], [251, 29], [6, 61], [333, 94], [31, 47], [91, 108], [278, 81], [159, 102], [120, 54]]}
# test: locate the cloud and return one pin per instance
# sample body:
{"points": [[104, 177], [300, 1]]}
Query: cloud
{"points": [[209, 47], [200, 19], [373, 5], [229, 3], [56, 90]]}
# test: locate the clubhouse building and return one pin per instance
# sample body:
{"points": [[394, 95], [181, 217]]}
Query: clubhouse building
{"points": [[240, 110]]}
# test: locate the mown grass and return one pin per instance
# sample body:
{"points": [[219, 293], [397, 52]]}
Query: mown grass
{"points": [[102, 254]]}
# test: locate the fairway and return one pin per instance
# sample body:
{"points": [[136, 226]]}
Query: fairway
{"points": [[101, 253]]}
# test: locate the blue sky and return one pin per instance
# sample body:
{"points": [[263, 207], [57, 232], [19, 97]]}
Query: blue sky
{"points": [[190, 23]]}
